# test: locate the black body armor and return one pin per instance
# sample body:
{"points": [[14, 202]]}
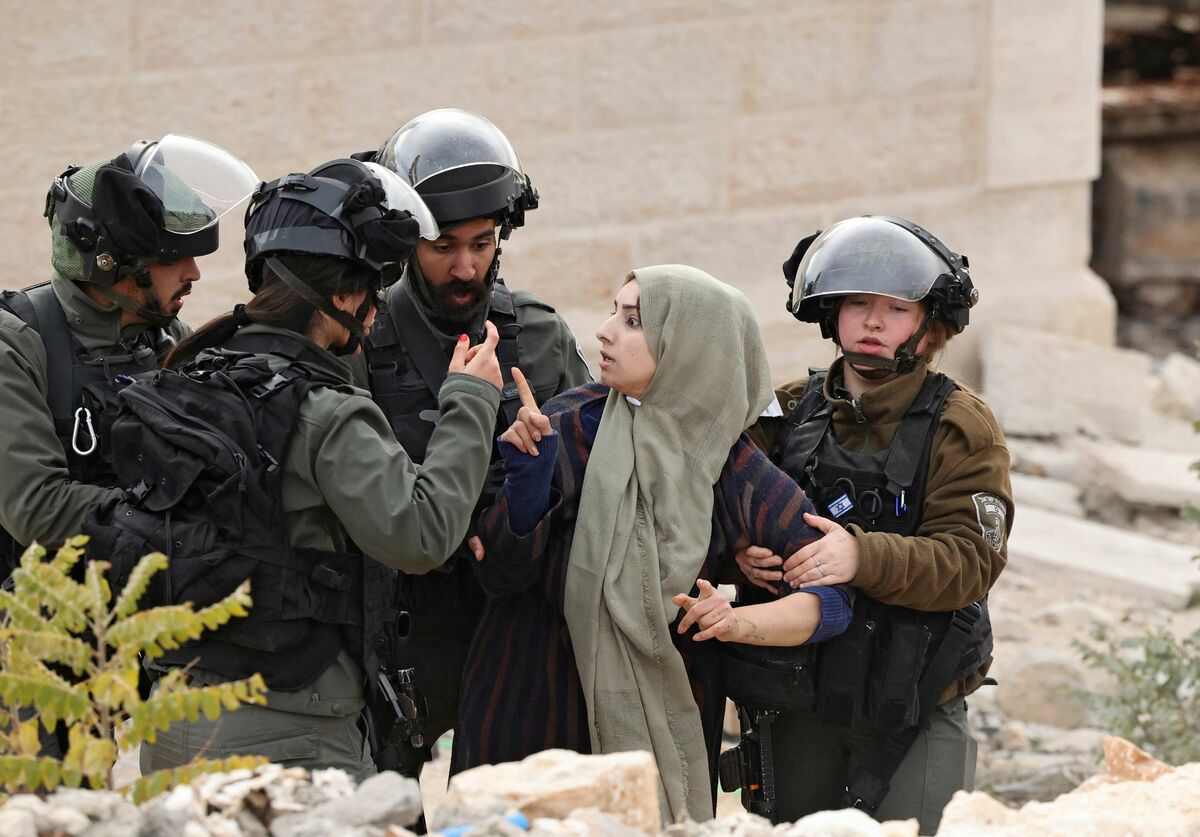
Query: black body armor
{"points": [[873, 668], [407, 367], [892, 663], [82, 389], [201, 449]]}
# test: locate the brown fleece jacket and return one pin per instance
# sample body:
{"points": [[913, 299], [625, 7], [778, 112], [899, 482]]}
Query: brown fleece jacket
{"points": [[948, 563]]}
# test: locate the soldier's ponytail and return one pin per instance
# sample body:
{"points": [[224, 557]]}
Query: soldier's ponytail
{"points": [[276, 304]]}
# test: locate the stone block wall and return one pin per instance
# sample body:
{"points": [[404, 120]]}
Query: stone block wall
{"points": [[710, 132]]}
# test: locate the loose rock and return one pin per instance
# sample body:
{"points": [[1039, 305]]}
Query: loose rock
{"points": [[846, 823], [168, 814], [554, 783], [1129, 763], [382, 800], [18, 822], [1178, 389], [596, 823], [98, 805], [64, 821]]}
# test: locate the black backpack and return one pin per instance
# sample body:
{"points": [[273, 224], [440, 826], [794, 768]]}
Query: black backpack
{"points": [[199, 451]]}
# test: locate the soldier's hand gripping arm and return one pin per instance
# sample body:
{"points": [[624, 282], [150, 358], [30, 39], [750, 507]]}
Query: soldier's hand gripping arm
{"points": [[960, 548]]}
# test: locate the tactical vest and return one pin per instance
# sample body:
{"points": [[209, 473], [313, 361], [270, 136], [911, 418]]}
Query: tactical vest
{"points": [[408, 365], [308, 603], [81, 388], [875, 666]]}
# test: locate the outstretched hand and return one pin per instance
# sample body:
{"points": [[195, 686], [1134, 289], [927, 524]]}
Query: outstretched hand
{"points": [[832, 559], [531, 425], [711, 612], [479, 361]]}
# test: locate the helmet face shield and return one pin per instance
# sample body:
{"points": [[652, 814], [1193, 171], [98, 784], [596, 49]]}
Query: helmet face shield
{"points": [[158, 201], [443, 140], [877, 254], [869, 256], [196, 181], [463, 167]]}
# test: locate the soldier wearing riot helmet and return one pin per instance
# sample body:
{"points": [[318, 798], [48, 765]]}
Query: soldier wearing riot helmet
{"points": [[319, 245], [909, 472], [472, 180], [125, 236]]}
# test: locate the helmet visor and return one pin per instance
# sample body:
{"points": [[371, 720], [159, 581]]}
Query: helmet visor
{"points": [[868, 256], [402, 196], [196, 181], [444, 140]]}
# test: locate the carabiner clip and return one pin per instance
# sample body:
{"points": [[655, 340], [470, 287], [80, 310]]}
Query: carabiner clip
{"points": [[87, 419]]}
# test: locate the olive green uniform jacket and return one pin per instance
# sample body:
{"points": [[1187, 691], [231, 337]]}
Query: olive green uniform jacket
{"points": [[38, 499], [550, 355], [346, 478], [949, 562]]}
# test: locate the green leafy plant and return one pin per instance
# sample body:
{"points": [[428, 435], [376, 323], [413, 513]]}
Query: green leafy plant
{"points": [[51, 621], [1157, 700], [1157, 697]]}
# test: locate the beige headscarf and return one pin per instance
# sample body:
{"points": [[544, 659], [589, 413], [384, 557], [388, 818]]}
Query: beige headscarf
{"points": [[645, 519]]}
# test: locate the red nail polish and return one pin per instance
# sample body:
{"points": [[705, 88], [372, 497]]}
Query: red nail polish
{"points": [[462, 338]]}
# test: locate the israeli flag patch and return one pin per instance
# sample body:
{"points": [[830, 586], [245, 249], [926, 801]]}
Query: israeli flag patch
{"points": [[841, 505]]}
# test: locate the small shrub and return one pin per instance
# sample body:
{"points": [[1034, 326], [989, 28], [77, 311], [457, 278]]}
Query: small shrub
{"points": [[51, 621], [1157, 697], [1158, 684]]}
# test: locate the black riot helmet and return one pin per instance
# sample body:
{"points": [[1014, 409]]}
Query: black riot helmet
{"points": [[463, 166], [345, 209], [879, 254], [158, 202]]}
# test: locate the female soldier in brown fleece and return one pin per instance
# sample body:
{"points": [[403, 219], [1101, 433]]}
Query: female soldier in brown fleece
{"points": [[910, 475]]}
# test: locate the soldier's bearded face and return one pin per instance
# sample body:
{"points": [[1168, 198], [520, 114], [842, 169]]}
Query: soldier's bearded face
{"points": [[455, 267], [169, 284]]}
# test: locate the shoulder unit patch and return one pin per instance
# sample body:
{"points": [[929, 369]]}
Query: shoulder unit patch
{"points": [[991, 513]]}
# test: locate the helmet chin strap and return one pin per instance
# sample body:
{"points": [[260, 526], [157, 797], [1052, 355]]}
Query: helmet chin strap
{"points": [[489, 279], [150, 312], [354, 323], [881, 368]]}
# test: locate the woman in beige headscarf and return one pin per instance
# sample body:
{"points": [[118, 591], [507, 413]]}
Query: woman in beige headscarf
{"points": [[620, 497]]}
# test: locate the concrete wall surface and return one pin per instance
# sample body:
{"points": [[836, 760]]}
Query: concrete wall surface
{"points": [[709, 132]]}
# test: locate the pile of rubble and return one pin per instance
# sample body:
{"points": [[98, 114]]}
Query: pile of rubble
{"points": [[272, 800], [1103, 446], [564, 794]]}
